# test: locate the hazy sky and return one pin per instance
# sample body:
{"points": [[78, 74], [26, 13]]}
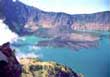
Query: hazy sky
{"points": [[70, 6]]}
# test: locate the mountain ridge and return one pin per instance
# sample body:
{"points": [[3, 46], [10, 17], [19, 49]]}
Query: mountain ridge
{"points": [[24, 19], [65, 30]]}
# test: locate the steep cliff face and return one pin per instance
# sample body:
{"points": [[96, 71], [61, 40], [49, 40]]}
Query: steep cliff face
{"points": [[24, 20], [35, 68], [27, 20], [9, 66]]}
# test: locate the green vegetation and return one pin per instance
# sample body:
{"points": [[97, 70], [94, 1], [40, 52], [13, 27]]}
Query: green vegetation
{"points": [[36, 68]]}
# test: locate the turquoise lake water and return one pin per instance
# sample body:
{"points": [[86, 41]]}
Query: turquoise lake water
{"points": [[91, 62]]}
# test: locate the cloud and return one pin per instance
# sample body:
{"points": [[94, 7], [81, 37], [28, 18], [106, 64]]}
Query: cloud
{"points": [[34, 47], [27, 55], [14, 0], [30, 54], [6, 35]]}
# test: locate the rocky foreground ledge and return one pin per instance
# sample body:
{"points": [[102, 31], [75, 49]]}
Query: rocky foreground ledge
{"points": [[36, 68], [9, 65], [30, 67]]}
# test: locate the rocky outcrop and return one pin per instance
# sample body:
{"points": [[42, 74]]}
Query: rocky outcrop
{"points": [[30, 67], [36, 68], [9, 66]]}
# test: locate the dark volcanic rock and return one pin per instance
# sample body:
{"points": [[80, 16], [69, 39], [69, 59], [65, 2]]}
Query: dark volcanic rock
{"points": [[76, 45], [9, 66]]}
